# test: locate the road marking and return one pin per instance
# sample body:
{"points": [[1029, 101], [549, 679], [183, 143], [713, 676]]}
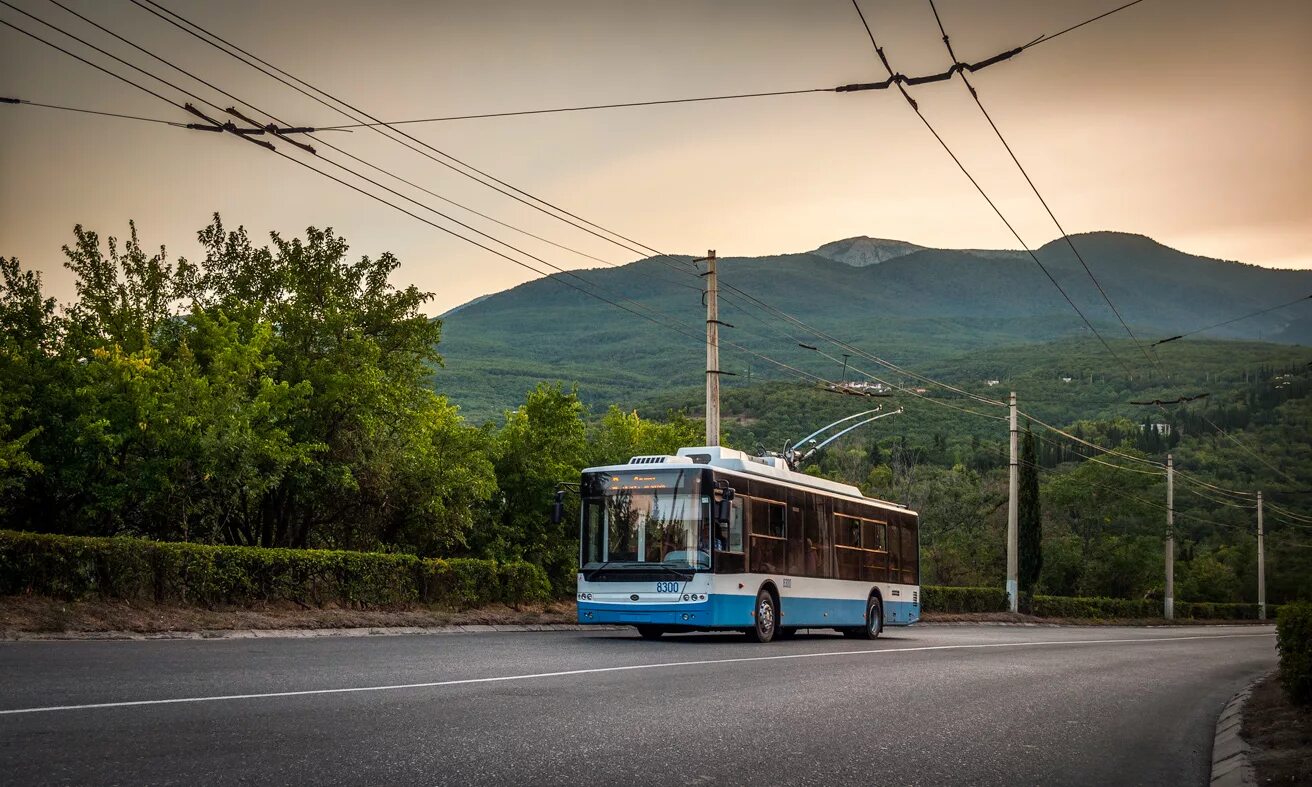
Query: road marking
{"points": [[623, 668]]}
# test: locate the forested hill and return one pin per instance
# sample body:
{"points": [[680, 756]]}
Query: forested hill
{"points": [[910, 304]]}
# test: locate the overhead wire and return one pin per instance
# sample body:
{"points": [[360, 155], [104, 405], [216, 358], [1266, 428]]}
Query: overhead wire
{"points": [[974, 94], [357, 159], [1286, 512], [916, 107], [437, 156], [379, 125], [85, 111], [1045, 38], [353, 186], [1130, 496], [1232, 320], [557, 110]]}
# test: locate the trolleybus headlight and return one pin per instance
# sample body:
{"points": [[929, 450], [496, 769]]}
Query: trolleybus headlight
{"points": [[685, 596], [589, 595]]}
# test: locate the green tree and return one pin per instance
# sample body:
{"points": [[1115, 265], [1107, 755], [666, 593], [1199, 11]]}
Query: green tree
{"points": [[1030, 516], [542, 443], [622, 434]]}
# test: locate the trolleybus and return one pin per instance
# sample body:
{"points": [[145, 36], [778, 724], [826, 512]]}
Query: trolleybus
{"points": [[716, 539]]}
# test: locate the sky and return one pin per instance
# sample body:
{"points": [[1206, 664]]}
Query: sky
{"points": [[1186, 120]]}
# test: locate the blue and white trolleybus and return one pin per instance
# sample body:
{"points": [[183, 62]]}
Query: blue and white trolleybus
{"points": [[717, 539]]}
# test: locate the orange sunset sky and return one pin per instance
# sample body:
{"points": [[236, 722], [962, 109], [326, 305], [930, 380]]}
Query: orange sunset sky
{"points": [[1186, 120]]}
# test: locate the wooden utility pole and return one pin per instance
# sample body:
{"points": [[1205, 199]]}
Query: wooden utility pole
{"points": [[1169, 601], [1013, 512], [712, 352]]}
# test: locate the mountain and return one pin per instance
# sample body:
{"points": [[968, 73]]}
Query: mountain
{"points": [[909, 304], [863, 251]]}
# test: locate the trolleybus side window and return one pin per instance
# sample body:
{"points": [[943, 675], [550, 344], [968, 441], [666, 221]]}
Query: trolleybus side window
{"points": [[817, 540], [767, 519], [735, 541]]}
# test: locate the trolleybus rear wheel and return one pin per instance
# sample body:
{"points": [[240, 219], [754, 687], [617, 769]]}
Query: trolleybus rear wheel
{"points": [[767, 617], [874, 621]]}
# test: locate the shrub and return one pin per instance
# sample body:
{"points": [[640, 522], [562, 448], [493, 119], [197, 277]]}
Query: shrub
{"points": [[938, 598], [1294, 640], [1213, 611], [76, 567], [1080, 607]]}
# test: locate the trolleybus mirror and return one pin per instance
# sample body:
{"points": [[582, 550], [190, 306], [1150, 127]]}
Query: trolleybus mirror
{"points": [[558, 507], [722, 503]]}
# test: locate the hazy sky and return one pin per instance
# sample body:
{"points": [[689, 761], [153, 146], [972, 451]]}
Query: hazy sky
{"points": [[1186, 120]]}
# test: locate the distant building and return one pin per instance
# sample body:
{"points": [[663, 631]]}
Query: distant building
{"points": [[867, 386], [1067, 379], [1159, 428], [991, 383]]}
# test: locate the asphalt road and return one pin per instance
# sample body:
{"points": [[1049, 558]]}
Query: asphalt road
{"points": [[927, 705]]}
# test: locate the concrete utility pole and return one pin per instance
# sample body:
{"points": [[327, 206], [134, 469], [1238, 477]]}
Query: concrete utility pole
{"points": [[1261, 563], [1013, 512], [712, 352], [1169, 610]]}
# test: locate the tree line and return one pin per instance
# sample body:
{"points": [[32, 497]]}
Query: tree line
{"points": [[273, 395], [282, 395]]}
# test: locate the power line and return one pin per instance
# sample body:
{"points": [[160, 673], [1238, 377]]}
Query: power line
{"points": [[556, 110], [1246, 449], [849, 88], [1094, 446], [894, 79], [974, 94], [1127, 495], [446, 160], [1046, 38], [1287, 512], [91, 112], [1236, 319], [392, 175], [380, 199], [912, 103]]}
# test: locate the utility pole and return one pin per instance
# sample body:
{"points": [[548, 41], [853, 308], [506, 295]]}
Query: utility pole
{"points": [[712, 352], [1169, 609], [1261, 564], [1013, 512]]}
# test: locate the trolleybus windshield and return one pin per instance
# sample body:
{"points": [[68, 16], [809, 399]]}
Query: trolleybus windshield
{"points": [[641, 518]]}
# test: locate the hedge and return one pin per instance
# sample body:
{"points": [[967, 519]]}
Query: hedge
{"points": [[76, 567], [936, 598], [1294, 640], [939, 598]]}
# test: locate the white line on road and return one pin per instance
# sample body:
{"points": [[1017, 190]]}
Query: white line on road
{"points": [[624, 668]]}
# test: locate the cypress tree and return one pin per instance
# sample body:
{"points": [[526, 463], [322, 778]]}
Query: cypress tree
{"points": [[1031, 520]]}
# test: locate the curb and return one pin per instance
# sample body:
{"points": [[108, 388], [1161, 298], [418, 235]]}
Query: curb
{"points": [[367, 631], [1230, 764]]}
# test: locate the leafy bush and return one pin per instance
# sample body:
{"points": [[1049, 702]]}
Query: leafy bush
{"points": [[1210, 611], [76, 567], [1294, 640], [937, 598], [1077, 607]]}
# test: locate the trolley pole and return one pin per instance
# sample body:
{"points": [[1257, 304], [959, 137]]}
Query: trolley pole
{"points": [[712, 352], [1013, 512], [1169, 601], [1261, 563]]}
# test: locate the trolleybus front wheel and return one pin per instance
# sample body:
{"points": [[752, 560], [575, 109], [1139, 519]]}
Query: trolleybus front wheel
{"points": [[767, 617], [650, 632]]}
